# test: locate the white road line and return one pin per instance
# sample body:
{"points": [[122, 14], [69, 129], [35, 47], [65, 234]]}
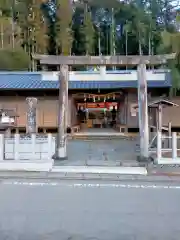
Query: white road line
{"points": [[91, 185]]}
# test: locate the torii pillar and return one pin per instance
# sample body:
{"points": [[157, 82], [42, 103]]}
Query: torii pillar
{"points": [[143, 113], [61, 144]]}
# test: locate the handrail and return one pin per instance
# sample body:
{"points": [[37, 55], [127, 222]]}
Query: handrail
{"points": [[163, 128]]}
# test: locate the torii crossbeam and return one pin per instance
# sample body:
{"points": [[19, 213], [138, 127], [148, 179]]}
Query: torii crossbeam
{"points": [[103, 60], [139, 61]]}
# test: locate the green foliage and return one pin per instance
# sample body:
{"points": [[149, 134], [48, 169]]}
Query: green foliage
{"points": [[33, 26], [14, 60], [82, 27], [88, 32], [63, 27], [171, 43]]}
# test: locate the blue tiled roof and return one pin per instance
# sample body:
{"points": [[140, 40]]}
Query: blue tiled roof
{"points": [[33, 80]]}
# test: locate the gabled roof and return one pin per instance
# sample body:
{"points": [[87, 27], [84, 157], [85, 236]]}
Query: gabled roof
{"points": [[33, 80], [163, 102], [160, 101]]}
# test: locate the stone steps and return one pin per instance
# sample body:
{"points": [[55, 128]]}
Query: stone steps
{"points": [[81, 137], [104, 135]]}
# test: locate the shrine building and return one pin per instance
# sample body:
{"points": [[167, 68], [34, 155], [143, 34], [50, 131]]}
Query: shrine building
{"points": [[87, 89]]}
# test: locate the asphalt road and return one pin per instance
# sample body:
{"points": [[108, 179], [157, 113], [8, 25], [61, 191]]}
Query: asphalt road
{"points": [[84, 210]]}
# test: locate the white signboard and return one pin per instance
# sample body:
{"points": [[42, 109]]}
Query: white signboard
{"points": [[134, 109], [7, 119]]}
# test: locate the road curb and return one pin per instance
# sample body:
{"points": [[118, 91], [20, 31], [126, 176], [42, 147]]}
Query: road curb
{"points": [[112, 175], [168, 174], [49, 176], [26, 166], [100, 170]]}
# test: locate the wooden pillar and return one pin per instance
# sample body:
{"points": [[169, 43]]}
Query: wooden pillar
{"points": [[31, 126], [67, 100], [44, 68], [159, 146], [159, 122], [8, 132], [143, 112], [61, 148], [170, 135]]}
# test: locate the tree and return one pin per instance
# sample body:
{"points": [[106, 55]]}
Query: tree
{"points": [[39, 28], [14, 59], [88, 31], [63, 27], [9, 31], [137, 25], [171, 43], [77, 22], [33, 26], [88, 26]]}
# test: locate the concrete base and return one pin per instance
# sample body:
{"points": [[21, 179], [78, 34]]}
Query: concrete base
{"points": [[61, 154], [100, 170], [56, 158], [142, 159], [35, 166]]}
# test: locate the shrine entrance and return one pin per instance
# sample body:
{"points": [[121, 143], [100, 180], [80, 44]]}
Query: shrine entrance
{"points": [[98, 110]]}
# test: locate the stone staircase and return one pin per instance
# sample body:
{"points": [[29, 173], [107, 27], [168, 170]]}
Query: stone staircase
{"points": [[102, 135]]}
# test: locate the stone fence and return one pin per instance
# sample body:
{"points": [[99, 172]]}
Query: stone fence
{"points": [[168, 153], [24, 147]]}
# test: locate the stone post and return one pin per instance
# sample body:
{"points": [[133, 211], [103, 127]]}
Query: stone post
{"points": [[8, 132], [174, 145], [61, 144], [67, 101], [2, 147], [159, 146], [31, 126], [169, 135], [143, 113], [102, 72]]}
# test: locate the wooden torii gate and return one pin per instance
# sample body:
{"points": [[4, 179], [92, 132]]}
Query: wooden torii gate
{"points": [[65, 61]]}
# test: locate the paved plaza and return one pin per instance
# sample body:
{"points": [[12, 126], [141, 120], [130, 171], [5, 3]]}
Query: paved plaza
{"points": [[104, 152]]}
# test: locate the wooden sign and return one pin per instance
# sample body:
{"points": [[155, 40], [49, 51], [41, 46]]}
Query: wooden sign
{"points": [[96, 105], [134, 109]]}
